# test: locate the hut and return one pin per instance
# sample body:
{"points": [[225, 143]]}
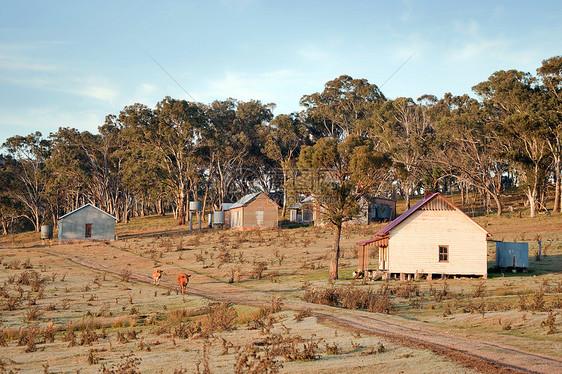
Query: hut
{"points": [[253, 211], [375, 209], [302, 212], [87, 223], [433, 237]]}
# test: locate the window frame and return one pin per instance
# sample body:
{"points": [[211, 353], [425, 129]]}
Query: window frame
{"points": [[443, 256]]}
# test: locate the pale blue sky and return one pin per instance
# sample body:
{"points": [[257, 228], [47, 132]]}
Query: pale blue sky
{"points": [[71, 63]]}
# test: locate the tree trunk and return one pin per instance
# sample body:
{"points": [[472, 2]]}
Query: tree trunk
{"points": [[557, 198], [498, 204], [531, 195], [181, 208], [333, 275]]}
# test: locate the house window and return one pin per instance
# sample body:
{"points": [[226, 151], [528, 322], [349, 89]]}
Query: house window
{"points": [[443, 253], [88, 230]]}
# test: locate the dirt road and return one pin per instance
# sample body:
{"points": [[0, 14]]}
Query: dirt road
{"points": [[482, 355]]}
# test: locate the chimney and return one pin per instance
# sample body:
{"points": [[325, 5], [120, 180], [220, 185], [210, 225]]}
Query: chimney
{"points": [[427, 192]]}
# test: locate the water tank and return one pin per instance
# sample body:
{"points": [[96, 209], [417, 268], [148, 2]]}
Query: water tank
{"points": [[195, 205], [218, 217], [46, 232]]}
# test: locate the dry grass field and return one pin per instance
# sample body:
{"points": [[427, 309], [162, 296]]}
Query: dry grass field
{"points": [[90, 307]]}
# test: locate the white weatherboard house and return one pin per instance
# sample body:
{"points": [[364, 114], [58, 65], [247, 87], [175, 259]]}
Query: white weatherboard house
{"points": [[87, 223], [433, 237]]}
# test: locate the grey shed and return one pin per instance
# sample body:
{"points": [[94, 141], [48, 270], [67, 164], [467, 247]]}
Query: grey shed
{"points": [[87, 223], [512, 255]]}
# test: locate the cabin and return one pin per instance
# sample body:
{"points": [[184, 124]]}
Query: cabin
{"points": [[87, 223], [302, 212], [433, 237], [253, 211], [375, 209]]}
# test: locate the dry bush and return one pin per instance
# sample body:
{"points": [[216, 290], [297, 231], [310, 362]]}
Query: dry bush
{"points": [[480, 290], [125, 275], [302, 314], [49, 333], [88, 337], [550, 322], [351, 298], [374, 350], [249, 361], [129, 364], [33, 314], [28, 336], [257, 271], [219, 317], [333, 349], [538, 303], [188, 330], [205, 360], [12, 303], [406, 290]]}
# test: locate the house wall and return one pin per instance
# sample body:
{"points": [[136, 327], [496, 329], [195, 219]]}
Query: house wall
{"points": [[261, 212], [414, 244], [73, 227], [236, 217]]}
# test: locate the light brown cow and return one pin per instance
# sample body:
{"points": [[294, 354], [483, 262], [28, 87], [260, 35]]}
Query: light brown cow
{"points": [[157, 275], [183, 280]]}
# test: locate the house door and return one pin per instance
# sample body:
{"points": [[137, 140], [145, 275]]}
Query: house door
{"points": [[88, 233]]}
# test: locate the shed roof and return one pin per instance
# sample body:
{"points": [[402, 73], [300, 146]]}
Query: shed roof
{"points": [[84, 206], [244, 201], [385, 230]]}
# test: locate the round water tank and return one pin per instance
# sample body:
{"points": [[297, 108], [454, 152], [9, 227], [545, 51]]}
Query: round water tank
{"points": [[195, 205], [46, 232], [218, 217]]}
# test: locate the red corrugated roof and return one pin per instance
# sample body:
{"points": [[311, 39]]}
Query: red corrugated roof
{"points": [[385, 230]]}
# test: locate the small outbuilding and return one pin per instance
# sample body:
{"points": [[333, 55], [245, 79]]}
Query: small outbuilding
{"points": [[512, 255], [375, 209], [87, 223], [302, 212], [253, 211], [434, 237]]}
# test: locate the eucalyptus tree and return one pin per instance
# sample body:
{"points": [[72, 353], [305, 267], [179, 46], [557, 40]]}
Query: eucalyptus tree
{"points": [[468, 150], [169, 143], [402, 128], [285, 135], [68, 169], [10, 208], [343, 108], [338, 173], [30, 153], [513, 98], [550, 74], [233, 146]]}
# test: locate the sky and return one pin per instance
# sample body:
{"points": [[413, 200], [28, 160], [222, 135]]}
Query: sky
{"points": [[72, 63]]}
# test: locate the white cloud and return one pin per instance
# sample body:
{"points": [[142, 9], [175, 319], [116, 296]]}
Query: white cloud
{"points": [[92, 87], [276, 86], [408, 8]]}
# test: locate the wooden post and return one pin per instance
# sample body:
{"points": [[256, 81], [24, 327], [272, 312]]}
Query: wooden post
{"points": [[417, 276], [429, 276], [402, 276]]}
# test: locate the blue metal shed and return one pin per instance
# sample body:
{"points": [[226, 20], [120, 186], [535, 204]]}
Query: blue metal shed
{"points": [[512, 255]]}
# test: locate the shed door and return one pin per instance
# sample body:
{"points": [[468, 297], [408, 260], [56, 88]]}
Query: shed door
{"points": [[259, 217], [88, 233]]}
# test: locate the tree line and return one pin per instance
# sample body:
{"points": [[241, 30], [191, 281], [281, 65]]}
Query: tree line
{"points": [[155, 160]]}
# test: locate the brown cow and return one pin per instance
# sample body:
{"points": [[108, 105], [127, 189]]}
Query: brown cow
{"points": [[183, 280], [157, 275]]}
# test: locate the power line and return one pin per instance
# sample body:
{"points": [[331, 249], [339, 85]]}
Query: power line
{"points": [[170, 75], [396, 71]]}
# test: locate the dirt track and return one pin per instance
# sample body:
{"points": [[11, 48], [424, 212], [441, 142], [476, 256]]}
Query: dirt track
{"points": [[481, 355]]}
